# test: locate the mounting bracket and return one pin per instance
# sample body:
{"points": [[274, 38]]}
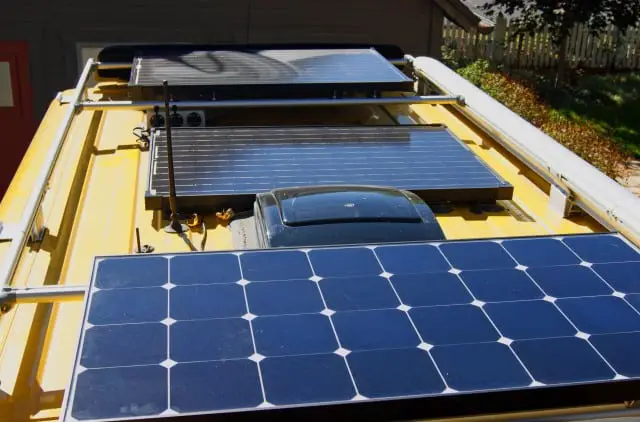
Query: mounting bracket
{"points": [[8, 231], [561, 201]]}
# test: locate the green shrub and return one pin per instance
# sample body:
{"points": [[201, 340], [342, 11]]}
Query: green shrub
{"points": [[450, 57], [475, 72], [582, 137]]}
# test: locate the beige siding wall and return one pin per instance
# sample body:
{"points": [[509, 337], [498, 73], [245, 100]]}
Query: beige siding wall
{"points": [[53, 28]]}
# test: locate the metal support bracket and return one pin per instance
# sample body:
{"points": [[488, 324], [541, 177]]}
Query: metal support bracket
{"points": [[64, 99], [561, 202], [8, 231], [38, 229]]}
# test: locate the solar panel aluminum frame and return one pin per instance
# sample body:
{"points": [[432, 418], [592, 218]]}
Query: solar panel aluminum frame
{"points": [[154, 200], [454, 404]]}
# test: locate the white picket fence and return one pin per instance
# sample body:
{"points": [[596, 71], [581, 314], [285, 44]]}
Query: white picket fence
{"points": [[610, 50]]}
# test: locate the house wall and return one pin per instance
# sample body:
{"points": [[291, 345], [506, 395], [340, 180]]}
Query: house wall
{"points": [[54, 28]]}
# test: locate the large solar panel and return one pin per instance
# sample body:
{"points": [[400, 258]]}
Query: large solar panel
{"points": [[387, 331], [223, 162], [340, 69]]}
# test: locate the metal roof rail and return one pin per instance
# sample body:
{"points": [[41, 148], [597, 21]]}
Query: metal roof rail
{"points": [[605, 199], [310, 102], [22, 230]]}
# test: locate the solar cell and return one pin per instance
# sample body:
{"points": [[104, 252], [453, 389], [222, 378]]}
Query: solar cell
{"points": [[284, 297], [503, 285], [375, 329], [633, 300], [222, 301], [622, 276], [227, 163], [221, 384], [124, 345], [285, 265], [562, 360], [430, 289], [210, 339], [477, 256], [344, 69], [469, 367], [121, 306], [358, 293], [614, 314], [601, 249], [540, 252], [615, 349], [306, 379], [308, 330], [302, 334], [514, 320], [413, 374], [205, 269], [122, 272], [108, 392], [569, 281]]}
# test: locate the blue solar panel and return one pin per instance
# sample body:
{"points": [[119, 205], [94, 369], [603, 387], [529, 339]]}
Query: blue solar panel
{"points": [[231, 162], [304, 330]]}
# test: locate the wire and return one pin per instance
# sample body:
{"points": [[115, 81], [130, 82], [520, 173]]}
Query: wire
{"points": [[204, 236], [142, 136]]}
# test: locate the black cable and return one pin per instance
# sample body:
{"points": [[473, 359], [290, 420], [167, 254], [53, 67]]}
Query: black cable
{"points": [[142, 136], [204, 236]]}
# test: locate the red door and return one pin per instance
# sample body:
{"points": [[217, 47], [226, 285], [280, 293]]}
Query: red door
{"points": [[17, 124]]}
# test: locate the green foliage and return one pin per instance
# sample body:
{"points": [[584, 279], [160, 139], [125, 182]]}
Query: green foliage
{"points": [[475, 72], [581, 135], [610, 102], [560, 16], [448, 56], [451, 59]]}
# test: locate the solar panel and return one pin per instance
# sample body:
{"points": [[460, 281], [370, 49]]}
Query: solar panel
{"points": [[323, 68], [393, 331], [429, 161]]}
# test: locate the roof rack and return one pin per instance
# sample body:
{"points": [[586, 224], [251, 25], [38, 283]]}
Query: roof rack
{"points": [[22, 232], [497, 121]]}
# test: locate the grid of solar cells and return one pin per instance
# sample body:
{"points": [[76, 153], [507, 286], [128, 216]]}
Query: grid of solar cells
{"points": [[236, 161], [224, 332], [350, 67]]}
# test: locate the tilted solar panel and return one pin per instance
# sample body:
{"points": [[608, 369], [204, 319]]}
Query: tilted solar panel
{"points": [[387, 331], [227, 162], [340, 69]]}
